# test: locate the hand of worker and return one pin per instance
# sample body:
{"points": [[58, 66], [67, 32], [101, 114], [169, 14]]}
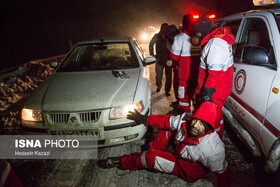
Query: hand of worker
{"points": [[137, 117], [207, 94], [191, 106]]}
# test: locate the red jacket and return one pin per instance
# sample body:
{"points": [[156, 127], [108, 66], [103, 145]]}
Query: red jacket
{"points": [[207, 112], [207, 149], [216, 66], [181, 53]]}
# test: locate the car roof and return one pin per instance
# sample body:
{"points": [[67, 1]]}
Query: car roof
{"points": [[107, 39], [256, 11], [263, 10]]}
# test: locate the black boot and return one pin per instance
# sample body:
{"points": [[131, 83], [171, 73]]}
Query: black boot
{"points": [[110, 162]]}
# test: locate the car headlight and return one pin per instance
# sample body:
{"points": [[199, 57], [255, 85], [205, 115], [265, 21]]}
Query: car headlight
{"points": [[31, 115], [122, 111]]}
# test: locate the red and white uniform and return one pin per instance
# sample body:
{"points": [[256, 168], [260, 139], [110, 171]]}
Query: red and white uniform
{"points": [[216, 68], [7, 176], [193, 156], [187, 71]]}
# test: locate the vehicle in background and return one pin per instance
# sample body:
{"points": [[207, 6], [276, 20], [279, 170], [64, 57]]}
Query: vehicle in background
{"points": [[91, 92], [212, 17], [253, 108]]}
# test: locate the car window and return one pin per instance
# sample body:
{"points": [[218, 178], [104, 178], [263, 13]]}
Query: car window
{"points": [[255, 33], [234, 25], [100, 56]]}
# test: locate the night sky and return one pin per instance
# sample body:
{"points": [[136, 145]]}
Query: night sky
{"points": [[38, 28]]}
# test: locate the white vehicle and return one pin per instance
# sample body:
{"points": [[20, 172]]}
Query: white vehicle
{"points": [[253, 108], [91, 92]]}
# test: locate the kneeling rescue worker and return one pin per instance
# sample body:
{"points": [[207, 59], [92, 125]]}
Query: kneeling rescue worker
{"points": [[197, 146]]}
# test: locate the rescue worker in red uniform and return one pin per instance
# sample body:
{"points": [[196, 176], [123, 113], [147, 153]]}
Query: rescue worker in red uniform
{"points": [[197, 147], [216, 66], [188, 64], [7, 176]]}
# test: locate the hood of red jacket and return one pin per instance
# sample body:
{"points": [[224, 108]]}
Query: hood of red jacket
{"points": [[207, 112], [223, 33]]}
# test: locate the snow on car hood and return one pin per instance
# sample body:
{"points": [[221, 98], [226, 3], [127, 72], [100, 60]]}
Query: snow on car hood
{"points": [[77, 91]]}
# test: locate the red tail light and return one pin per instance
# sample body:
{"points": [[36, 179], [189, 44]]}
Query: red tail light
{"points": [[212, 16], [195, 17]]}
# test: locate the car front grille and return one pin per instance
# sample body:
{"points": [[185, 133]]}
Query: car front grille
{"points": [[59, 118], [89, 116], [83, 117]]}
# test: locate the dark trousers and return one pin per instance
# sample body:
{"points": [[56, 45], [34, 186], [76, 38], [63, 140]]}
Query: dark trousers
{"points": [[168, 76]]}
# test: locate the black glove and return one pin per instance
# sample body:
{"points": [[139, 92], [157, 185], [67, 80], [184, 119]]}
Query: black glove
{"points": [[207, 94], [137, 117]]}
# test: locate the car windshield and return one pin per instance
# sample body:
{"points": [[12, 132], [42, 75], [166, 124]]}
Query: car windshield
{"points": [[100, 56]]}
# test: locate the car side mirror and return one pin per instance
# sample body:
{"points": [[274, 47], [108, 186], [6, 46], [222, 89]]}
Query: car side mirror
{"points": [[149, 60], [254, 55], [54, 64]]}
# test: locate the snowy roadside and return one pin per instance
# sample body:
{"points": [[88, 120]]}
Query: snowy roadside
{"points": [[16, 86]]}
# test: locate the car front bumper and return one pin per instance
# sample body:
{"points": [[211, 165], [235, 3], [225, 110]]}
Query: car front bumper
{"points": [[108, 135]]}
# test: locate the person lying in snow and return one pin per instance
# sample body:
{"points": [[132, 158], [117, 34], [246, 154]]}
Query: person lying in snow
{"points": [[197, 147]]}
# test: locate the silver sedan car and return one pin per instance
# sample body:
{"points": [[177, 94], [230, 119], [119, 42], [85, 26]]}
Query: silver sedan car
{"points": [[91, 92]]}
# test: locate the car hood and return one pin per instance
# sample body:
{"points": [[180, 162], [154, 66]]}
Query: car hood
{"points": [[76, 91]]}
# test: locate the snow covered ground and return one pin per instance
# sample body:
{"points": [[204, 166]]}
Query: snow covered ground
{"points": [[17, 85]]}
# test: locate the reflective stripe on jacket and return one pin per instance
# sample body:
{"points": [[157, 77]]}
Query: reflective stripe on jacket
{"points": [[207, 149], [181, 52], [216, 63]]}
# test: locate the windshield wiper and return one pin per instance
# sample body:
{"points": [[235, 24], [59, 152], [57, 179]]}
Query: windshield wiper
{"points": [[120, 74]]}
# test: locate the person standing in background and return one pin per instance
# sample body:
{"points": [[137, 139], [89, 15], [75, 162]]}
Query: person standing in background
{"points": [[171, 32], [188, 64], [161, 59]]}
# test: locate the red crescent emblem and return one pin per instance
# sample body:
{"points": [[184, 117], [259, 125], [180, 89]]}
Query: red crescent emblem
{"points": [[237, 81]]}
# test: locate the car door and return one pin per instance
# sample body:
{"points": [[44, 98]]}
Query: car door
{"points": [[271, 128], [252, 82]]}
